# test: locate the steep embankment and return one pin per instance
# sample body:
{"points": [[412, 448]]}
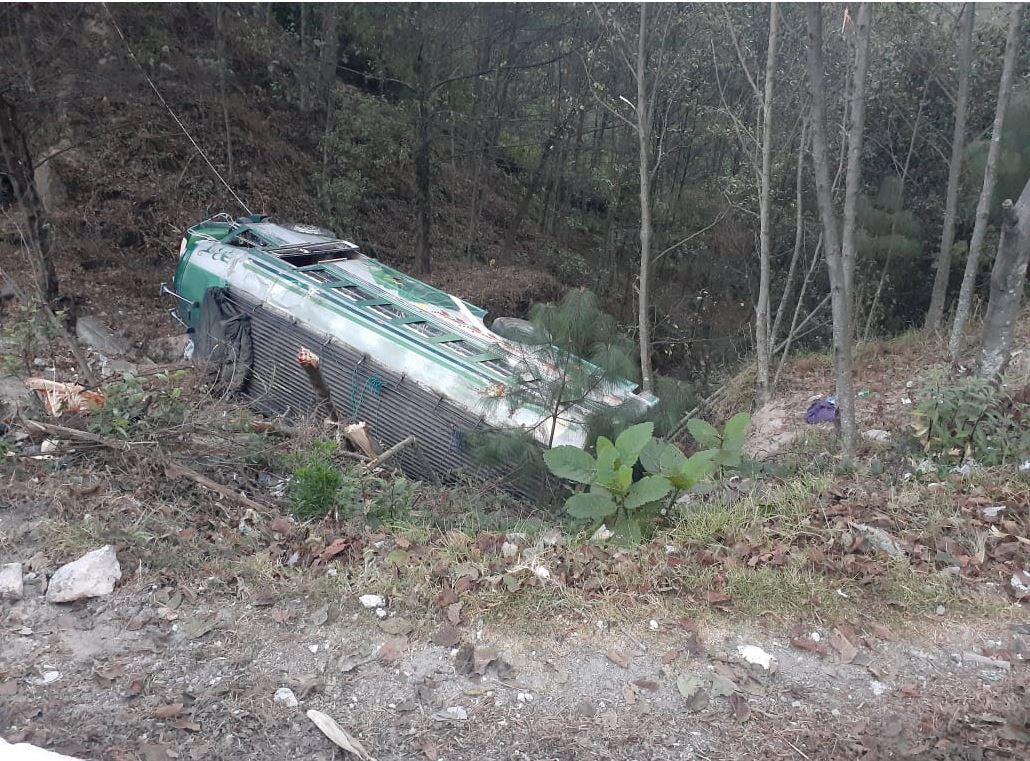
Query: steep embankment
{"points": [[121, 181]]}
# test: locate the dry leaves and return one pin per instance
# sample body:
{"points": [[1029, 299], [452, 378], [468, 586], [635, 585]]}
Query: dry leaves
{"points": [[618, 657]]}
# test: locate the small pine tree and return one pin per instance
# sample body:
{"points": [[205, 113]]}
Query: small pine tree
{"points": [[887, 234], [573, 353]]}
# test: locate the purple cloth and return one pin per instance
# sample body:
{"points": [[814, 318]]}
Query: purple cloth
{"points": [[821, 411]]}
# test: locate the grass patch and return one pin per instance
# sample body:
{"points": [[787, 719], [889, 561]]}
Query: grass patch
{"points": [[787, 504], [787, 591]]}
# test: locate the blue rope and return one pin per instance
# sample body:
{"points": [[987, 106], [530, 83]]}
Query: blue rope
{"points": [[373, 383]]}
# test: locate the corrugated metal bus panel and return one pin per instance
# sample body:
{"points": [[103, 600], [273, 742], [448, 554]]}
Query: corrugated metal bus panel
{"points": [[393, 406]]}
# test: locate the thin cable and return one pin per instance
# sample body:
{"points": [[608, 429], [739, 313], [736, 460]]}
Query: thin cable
{"points": [[178, 121]]}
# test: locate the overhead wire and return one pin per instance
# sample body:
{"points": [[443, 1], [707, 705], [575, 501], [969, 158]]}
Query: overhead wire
{"points": [[172, 113]]}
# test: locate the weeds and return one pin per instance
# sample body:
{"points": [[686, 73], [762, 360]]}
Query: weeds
{"points": [[971, 420]]}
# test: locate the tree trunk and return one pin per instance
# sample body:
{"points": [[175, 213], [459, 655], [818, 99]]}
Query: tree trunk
{"points": [[834, 259], [935, 313], [533, 186], [14, 151], [330, 50], [983, 206], [762, 309], [644, 141], [422, 173], [799, 234], [223, 67], [1008, 279], [853, 176]]}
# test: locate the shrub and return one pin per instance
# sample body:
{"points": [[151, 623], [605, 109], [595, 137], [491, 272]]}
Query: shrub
{"points": [[631, 505], [971, 419], [316, 482]]}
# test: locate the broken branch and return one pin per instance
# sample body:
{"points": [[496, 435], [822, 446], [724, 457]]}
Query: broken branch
{"points": [[174, 469], [399, 446]]}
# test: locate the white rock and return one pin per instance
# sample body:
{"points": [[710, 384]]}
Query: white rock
{"points": [[92, 575], [1020, 583], [372, 601], [26, 752], [603, 534], [878, 687], [47, 677], [877, 435], [756, 655], [880, 539], [284, 696], [11, 585], [454, 713], [509, 550]]}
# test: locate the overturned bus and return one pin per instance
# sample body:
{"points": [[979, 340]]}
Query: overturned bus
{"points": [[404, 357]]}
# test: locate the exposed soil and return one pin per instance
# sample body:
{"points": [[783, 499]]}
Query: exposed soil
{"points": [[565, 688]]}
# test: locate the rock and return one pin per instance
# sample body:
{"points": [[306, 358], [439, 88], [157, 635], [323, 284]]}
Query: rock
{"points": [[13, 391], [11, 585], [284, 696], [452, 714], [372, 601], [983, 661], [774, 427], [47, 677], [877, 436], [879, 539], [168, 348], [756, 656], [27, 752], [93, 333], [1020, 585], [92, 575]]}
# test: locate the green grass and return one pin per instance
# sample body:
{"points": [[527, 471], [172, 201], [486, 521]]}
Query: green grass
{"points": [[787, 505]]}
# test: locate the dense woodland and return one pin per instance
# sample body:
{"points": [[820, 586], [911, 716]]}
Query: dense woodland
{"points": [[734, 181]]}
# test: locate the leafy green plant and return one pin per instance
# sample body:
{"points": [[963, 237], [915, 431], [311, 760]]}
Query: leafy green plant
{"points": [[728, 446], [319, 486], [131, 409], [630, 505], [315, 483], [20, 330], [971, 419]]}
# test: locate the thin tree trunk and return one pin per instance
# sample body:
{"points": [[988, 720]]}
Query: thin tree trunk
{"points": [[894, 217], [304, 56], [644, 140], [222, 73], [1008, 279], [799, 234], [935, 313], [478, 140], [14, 151], [330, 49], [797, 311], [765, 237], [532, 187], [856, 130], [834, 259], [983, 206], [422, 170]]}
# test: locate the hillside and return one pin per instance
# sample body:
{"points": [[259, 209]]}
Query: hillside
{"points": [[122, 182], [183, 576]]}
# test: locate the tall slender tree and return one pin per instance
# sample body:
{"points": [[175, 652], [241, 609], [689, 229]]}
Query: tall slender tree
{"points": [[762, 343], [839, 297], [1008, 280], [935, 313], [856, 133], [983, 210]]}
